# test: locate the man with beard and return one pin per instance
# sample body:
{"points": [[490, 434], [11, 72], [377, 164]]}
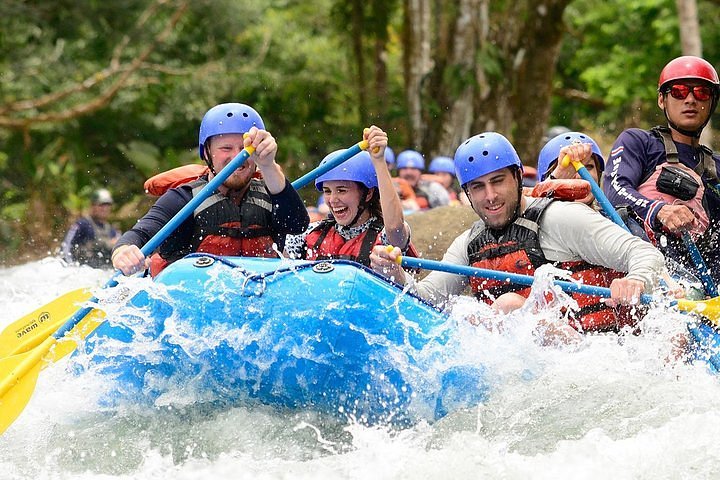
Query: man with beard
{"points": [[249, 215], [518, 234]]}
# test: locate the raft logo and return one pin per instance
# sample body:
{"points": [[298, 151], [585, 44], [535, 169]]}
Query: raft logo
{"points": [[42, 318]]}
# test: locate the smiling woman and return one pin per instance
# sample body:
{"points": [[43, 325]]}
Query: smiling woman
{"points": [[365, 209]]}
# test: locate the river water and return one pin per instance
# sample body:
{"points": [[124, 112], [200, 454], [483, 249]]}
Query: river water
{"points": [[610, 406]]}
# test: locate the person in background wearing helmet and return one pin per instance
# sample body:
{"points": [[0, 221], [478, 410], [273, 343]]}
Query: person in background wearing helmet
{"points": [[582, 146], [428, 194], [518, 234], [91, 238], [247, 216], [552, 153], [553, 132], [365, 210], [443, 169], [666, 178], [390, 158]]}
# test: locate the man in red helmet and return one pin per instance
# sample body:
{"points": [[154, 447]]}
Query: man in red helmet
{"points": [[667, 179], [247, 216]]}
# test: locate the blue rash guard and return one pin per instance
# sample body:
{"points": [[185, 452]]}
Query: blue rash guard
{"points": [[289, 216], [634, 157]]}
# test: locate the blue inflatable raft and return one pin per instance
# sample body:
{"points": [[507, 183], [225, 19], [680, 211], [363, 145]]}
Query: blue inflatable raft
{"points": [[333, 337], [705, 344]]}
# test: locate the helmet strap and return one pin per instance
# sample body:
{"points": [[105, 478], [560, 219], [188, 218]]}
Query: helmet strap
{"points": [[363, 202], [206, 155]]}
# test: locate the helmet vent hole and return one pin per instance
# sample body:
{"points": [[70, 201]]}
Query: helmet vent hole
{"points": [[229, 114], [245, 114], [471, 159], [485, 153]]}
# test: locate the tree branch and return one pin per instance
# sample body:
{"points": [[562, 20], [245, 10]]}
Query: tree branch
{"points": [[124, 72]]}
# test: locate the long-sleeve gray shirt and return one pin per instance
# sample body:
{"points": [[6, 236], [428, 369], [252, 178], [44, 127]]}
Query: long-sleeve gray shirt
{"points": [[568, 231]]}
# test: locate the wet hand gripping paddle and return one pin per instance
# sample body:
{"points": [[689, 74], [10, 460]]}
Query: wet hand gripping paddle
{"points": [[709, 309], [700, 265], [43, 336], [19, 372]]}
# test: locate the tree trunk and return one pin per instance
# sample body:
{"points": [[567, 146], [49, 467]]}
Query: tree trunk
{"points": [[692, 44], [356, 22], [491, 68], [417, 63], [535, 60]]}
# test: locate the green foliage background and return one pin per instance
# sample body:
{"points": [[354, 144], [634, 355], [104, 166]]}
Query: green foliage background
{"points": [[291, 60]]}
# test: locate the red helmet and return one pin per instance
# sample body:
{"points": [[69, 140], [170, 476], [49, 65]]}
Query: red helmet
{"points": [[688, 67]]}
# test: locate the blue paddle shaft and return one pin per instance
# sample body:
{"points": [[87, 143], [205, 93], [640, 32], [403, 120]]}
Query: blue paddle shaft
{"points": [[163, 233], [703, 270], [515, 278], [600, 196], [187, 210], [343, 157]]}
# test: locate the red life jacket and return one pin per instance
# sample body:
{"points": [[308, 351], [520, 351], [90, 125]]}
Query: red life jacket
{"points": [[225, 228], [164, 181], [560, 189], [518, 250], [422, 199], [324, 242]]}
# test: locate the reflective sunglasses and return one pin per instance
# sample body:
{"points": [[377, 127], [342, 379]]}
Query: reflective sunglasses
{"points": [[681, 91]]}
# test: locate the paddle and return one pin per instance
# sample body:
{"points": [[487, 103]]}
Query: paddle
{"points": [[596, 191], [19, 372], [708, 308], [30, 330], [695, 254], [341, 158], [702, 268]]}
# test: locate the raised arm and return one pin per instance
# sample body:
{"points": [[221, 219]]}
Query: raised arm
{"points": [[396, 230]]}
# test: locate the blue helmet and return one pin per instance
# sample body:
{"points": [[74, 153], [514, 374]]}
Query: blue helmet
{"points": [[410, 159], [551, 150], [442, 164], [482, 154], [228, 118], [358, 168], [389, 156]]}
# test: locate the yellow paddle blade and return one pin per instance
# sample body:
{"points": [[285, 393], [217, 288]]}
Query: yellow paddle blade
{"points": [[70, 341], [32, 329], [18, 376], [709, 309]]}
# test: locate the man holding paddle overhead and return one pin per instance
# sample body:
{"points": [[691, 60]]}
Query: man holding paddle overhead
{"points": [[667, 179], [517, 234], [249, 215]]}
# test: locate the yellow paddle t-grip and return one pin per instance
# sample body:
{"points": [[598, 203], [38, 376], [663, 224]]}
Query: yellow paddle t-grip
{"points": [[364, 144], [250, 149], [566, 161]]}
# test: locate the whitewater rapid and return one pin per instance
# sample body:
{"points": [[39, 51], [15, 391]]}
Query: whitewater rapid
{"points": [[608, 407]]}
